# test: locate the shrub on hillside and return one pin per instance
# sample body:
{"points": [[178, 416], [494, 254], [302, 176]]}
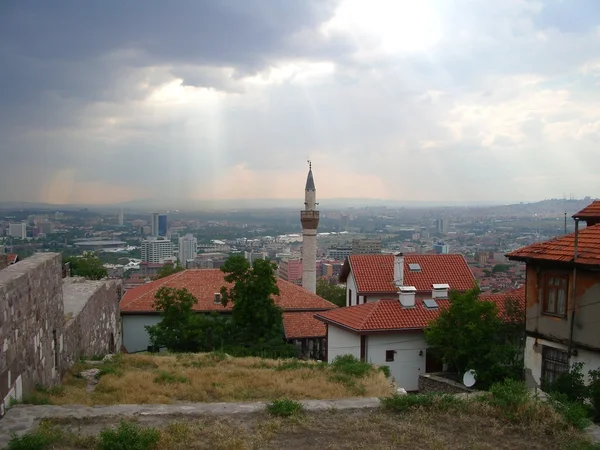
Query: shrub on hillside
{"points": [[350, 365], [570, 384], [128, 436], [284, 407]]}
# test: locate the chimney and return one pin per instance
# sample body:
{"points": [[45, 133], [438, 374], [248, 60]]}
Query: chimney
{"points": [[440, 291], [217, 298], [399, 269], [407, 296]]}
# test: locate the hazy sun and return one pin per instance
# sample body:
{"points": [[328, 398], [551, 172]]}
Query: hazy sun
{"points": [[397, 25]]}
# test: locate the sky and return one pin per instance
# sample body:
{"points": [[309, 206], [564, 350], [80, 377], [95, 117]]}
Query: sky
{"points": [[429, 100]]}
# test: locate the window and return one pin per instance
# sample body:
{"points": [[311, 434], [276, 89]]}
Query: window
{"points": [[554, 363], [555, 295], [389, 355]]}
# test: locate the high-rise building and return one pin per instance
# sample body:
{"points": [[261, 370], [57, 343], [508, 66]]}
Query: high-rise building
{"points": [[121, 217], [339, 253], [18, 230], [310, 222], [290, 269], [154, 224], [441, 249], [441, 225], [188, 248], [251, 256], [162, 224], [366, 246], [156, 250]]}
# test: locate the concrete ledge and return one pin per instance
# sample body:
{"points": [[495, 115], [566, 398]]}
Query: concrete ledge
{"points": [[21, 419]]}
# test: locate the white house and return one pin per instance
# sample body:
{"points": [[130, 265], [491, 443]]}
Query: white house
{"points": [[370, 278], [391, 299]]}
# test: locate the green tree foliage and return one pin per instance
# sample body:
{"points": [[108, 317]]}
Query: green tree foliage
{"points": [[471, 334], [334, 293], [180, 329], [501, 268], [255, 316], [168, 269], [255, 327], [88, 265]]}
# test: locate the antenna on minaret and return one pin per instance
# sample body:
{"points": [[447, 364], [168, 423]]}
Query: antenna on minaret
{"points": [[309, 164]]}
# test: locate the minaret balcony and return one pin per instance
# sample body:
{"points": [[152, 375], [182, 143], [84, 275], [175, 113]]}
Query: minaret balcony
{"points": [[309, 219]]}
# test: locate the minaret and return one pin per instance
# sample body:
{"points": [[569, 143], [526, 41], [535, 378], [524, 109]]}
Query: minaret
{"points": [[310, 221]]}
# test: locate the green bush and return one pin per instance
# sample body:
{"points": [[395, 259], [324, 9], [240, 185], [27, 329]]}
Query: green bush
{"points": [[128, 436], [285, 407], [509, 394], [349, 381], [29, 441], [594, 391], [170, 378], [571, 384], [386, 371], [36, 399], [351, 365], [575, 413], [109, 370]]}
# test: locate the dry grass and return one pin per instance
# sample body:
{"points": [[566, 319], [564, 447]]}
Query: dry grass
{"points": [[144, 379], [420, 429]]}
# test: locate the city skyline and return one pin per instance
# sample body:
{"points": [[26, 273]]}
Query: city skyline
{"points": [[479, 102]]}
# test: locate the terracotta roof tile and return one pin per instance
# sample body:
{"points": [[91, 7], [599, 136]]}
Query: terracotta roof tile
{"points": [[389, 315], [562, 249], [591, 211], [375, 273], [300, 325], [382, 315], [517, 295], [204, 283]]}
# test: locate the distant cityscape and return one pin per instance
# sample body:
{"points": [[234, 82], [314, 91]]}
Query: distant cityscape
{"points": [[135, 245]]}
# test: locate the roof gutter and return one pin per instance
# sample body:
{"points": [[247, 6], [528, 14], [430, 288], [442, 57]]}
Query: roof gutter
{"points": [[573, 290]]}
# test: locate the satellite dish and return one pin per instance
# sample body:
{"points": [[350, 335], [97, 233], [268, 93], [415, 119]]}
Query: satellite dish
{"points": [[469, 378]]}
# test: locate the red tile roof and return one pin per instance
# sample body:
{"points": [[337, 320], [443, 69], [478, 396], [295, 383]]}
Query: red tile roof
{"points": [[389, 315], [382, 315], [562, 249], [204, 283], [299, 325], [591, 211], [375, 273], [517, 295]]}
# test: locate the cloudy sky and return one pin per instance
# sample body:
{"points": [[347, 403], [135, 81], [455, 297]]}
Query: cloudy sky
{"points": [[429, 100]]}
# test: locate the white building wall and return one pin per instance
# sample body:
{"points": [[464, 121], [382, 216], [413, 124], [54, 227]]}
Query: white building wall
{"points": [[408, 363], [533, 359], [135, 336], [351, 290], [341, 342]]}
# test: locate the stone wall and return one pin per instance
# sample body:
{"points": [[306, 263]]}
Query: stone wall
{"points": [[32, 325], [94, 328], [430, 382], [46, 323], [3, 260]]}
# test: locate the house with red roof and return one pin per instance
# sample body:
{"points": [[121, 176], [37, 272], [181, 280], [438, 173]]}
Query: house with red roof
{"points": [[298, 304], [391, 299], [563, 300]]}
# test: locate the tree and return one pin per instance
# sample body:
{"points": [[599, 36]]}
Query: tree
{"points": [[334, 293], [255, 316], [168, 269], [471, 334], [88, 265], [501, 268], [179, 330]]}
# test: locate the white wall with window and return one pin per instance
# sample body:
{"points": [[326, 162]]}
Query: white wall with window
{"points": [[403, 353], [547, 359]]}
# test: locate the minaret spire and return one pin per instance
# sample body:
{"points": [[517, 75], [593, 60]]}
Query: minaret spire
{"points": [[310, 222]]}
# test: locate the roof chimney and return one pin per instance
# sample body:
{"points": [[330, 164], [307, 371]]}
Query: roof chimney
{"points": [[407, 296], [440, 290], [399, 269]]}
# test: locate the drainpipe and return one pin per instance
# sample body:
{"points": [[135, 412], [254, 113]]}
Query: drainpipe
{"points": [[573, 289]]}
